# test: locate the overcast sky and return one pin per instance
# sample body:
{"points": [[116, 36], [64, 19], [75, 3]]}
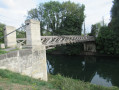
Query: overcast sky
{"points": [[14, 12]]}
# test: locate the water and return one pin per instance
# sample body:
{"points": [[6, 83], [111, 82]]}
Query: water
{"points": [[97, 70]]}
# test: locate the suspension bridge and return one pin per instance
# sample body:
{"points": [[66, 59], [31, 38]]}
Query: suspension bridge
{"points": [[31, 58]]}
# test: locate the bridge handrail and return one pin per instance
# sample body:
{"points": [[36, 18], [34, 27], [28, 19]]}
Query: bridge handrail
{"points": [[65, 36]]}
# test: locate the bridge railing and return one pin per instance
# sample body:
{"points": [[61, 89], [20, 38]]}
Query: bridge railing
{"points": [[65, 39], [59, 40]]}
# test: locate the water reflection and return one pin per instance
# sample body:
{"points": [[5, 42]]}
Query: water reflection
{"points": [[97, 70]]}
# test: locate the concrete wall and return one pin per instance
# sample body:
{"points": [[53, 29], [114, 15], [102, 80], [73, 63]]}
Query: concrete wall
{"points": [[30, 62]]}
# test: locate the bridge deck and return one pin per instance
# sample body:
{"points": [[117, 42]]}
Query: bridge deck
{"points": [[59, 40]]}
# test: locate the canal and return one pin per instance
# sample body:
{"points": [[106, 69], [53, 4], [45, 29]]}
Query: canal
{"points": [[97, 70]]}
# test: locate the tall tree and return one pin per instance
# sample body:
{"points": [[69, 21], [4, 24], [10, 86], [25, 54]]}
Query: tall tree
{"points": [[115, 17], [95, 29], [59, 18], [52, 15], [73, 17], [37, 13]]}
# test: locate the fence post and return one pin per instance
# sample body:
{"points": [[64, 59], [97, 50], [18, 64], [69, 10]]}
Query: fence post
{"points": [[10, 40]]}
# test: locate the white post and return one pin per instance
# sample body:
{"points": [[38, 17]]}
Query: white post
{"points": [[10, 40]]}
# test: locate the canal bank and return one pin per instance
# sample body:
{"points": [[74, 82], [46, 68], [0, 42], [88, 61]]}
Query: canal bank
{"points": [[13, 81]]}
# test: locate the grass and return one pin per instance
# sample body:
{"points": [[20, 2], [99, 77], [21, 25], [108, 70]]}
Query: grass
{"points": [[11, 78], [9, 81], [2, 52]]}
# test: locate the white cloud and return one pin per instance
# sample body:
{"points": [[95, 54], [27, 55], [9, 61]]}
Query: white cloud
{"points": [[16, 11], [95, 10]]}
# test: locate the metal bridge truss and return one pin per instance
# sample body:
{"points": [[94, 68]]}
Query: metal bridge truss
{"points": [[51, 41]]}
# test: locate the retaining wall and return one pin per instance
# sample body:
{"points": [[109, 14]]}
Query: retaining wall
{"points": [[30, 62]]}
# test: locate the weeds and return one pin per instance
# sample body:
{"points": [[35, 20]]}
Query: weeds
{"points": [[56, 82]]}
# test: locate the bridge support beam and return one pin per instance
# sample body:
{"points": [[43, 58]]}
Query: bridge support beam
{"points": [[33, 41], [10, 40], [89, 47]]}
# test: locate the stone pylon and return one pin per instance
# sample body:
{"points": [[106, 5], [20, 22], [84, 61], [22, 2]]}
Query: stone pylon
{"points": [[10, 40]]}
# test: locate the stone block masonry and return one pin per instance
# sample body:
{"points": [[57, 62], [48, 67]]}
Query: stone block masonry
{"points": [[30, 62], [10, 40]]}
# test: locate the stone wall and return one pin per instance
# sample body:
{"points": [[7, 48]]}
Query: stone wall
{"points": [[30, 62]]}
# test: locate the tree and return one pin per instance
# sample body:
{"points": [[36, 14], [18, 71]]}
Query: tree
{"points": [[59, 18], [114, 24], [73, 17], [95, 29], [107, 42], [37, 14], [1, 32]]}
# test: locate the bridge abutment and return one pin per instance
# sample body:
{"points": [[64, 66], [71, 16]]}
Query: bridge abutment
{"points": [[33, 41], [30, 61], [89, 47]]}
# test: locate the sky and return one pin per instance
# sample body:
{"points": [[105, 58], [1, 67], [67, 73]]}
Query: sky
{"points": [[14, 12]]}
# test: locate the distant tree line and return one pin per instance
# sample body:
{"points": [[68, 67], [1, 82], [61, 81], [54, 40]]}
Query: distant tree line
{"points": [[107, 36]]}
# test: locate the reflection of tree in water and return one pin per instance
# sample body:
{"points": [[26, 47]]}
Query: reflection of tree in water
{"points": [[80, 68], [109, 69], [84, 68]]}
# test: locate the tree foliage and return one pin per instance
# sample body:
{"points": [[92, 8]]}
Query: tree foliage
{"points": [[1, 32], [95, 29], [107, 42], [115, 17], [59, 18], [108, 38]]}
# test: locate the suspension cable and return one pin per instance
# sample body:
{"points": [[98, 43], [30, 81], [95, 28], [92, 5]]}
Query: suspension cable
{"points": [[14, 31]]}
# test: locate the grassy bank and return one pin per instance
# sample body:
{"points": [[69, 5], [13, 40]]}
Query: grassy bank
{"points": [[2, 52], [15, 81]]}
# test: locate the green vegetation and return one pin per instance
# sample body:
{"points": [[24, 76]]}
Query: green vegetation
{"points": [[9, 80], [69, 49], [108, 36], [114, 24], [3, 52], [59, 18], [95, 29], [1, 32], [107, 42]]}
